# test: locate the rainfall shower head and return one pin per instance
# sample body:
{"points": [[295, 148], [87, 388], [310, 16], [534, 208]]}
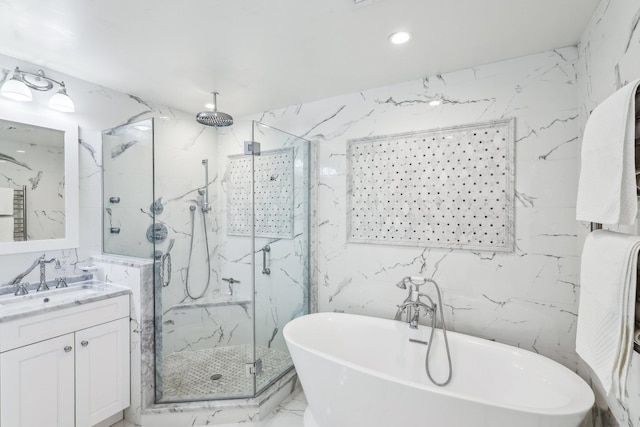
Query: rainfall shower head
{"points": [[214, 118]]}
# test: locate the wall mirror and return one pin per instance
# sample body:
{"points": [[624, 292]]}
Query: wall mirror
{"points": [[38, 183]]}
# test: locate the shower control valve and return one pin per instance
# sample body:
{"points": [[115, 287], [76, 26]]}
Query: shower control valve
{"points": [[231, 281]]}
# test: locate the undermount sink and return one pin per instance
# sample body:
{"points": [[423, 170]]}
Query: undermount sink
{"points": [[12, 306]]}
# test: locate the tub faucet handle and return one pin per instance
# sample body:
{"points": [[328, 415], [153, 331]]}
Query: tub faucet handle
{"points": [[21, 289], [62, 282]]}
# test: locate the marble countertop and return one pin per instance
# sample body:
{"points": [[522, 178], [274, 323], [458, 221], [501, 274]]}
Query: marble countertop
{"points": [[13, 307]]}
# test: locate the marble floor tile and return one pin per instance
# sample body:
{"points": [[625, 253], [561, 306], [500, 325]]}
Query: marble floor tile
{"points": [[288, 414]]}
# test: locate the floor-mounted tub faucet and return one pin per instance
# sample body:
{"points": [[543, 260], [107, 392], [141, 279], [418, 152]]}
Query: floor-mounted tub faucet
{"points": [[43, 281], [411, 307]]}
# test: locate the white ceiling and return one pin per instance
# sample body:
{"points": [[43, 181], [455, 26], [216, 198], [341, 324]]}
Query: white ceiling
{"points": [[266, 54]]}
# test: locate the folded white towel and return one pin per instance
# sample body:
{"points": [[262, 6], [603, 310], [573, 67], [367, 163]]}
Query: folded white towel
{"points": [[607, 186], [606, 317], [6, 201]]}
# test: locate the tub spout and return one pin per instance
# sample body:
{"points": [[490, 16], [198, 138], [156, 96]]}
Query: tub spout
{"points": [[413, 323]]}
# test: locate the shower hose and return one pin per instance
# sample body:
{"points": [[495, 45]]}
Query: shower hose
{"points": [[434, 324], [206, 240]]}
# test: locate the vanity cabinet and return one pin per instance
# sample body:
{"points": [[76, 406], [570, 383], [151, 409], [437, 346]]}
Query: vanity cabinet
{"points": [[37, 384], [76, 379]]}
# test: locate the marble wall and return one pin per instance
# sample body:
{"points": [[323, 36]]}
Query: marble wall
{"points": [[527, 298], [609, 58]]}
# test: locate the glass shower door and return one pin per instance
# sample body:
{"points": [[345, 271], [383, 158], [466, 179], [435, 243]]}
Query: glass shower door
{"points": [[281, 225]]}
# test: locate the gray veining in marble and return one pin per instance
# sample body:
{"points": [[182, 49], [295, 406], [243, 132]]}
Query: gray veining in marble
{"points": [[118, 150], [8, 158]]}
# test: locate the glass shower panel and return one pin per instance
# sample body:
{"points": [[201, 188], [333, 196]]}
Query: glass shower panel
{"points": [[127, 189], [281, 218], [203, 276]]}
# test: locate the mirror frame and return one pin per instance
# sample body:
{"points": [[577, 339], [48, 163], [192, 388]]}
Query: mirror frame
{"points": [[71, 186]]}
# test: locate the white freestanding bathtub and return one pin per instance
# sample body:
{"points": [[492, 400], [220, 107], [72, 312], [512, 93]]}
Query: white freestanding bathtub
{"points": [[359, 371]]}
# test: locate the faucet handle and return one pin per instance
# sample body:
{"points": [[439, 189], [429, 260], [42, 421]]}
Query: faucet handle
{"points": [[62, 282], [21, 289], [416, 281]]}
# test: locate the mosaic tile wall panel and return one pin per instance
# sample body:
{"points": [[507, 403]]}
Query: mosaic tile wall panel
{"points": [[273, 195], [449, 188]]}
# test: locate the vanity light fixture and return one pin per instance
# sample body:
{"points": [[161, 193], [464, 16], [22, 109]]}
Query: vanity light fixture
{"points": [[18, 88], [400, 37]]}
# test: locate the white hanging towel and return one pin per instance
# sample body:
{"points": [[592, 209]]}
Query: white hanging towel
{"points": [[6, 201], [606, 317], [607, 186]]}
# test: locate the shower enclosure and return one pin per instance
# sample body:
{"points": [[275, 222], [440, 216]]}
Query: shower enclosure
{"points": [[225, 216]]}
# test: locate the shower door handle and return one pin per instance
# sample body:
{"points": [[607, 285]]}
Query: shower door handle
{"points": [[265, 269]]}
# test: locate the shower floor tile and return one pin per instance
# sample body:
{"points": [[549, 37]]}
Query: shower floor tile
{"points": [[218, 372]]}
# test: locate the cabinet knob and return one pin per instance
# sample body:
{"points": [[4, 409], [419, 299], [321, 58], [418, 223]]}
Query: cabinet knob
{"points": [[84, 343], [68, 348]]}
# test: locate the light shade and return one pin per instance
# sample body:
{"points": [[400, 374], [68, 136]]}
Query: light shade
{"points": [[61, 102], [16, 90]]}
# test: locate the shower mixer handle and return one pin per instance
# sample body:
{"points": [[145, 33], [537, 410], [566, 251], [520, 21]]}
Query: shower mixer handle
{"points": [[230, 281]]}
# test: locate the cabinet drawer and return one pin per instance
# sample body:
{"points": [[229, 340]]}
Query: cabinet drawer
{"points": [[31, 329]]}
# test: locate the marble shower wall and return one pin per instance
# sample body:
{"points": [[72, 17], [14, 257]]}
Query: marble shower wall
{"points": [[527, 298], [97, 108], [609, 58]]}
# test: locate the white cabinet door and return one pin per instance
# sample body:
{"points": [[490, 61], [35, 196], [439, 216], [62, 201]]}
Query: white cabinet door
{"points": [[102, 371], [37, 386]]}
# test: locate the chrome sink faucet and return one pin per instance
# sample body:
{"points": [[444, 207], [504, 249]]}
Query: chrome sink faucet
{"points": [[43, 281]]}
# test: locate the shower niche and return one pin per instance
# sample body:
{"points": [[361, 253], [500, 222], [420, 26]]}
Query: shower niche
{"points": [[187, 197]]}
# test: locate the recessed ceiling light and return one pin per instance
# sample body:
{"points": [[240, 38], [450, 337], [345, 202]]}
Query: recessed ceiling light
{"points": [[209, 106], [435, 102], [20, 151], [400, 37]]}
